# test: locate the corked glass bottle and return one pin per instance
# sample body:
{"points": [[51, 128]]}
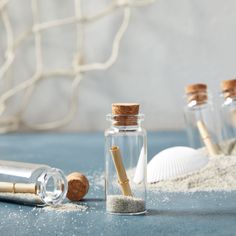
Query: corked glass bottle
{"points": [[126, 161], [228, 109], [31, 184], [200, 121]]}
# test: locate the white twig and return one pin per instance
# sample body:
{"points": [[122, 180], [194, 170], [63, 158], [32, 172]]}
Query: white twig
{"points": [[115, 46], [9, 54], [3, 3]]}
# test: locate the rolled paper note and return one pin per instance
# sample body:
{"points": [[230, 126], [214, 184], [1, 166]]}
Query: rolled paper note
{"points": [[210, 146], [9, 187], [121, 173]]}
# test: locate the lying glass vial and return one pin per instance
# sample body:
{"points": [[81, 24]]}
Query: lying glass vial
{"points": [[31, 184]]}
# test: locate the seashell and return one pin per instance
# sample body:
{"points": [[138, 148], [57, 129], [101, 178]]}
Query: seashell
{"points": [[173, 162]]}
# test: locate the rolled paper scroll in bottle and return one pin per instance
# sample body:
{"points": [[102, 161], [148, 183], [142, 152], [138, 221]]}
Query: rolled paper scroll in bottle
{"points": [[210, 146], [120, 170], [8, 187]]}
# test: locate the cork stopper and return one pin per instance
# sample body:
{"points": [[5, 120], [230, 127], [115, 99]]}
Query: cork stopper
{"points": [[78, 186], [196, 92], [228, 88], [125, 113]]}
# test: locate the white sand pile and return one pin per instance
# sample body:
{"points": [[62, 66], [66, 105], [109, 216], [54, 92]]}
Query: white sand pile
{"points": [[218, 175], [67, 207]]}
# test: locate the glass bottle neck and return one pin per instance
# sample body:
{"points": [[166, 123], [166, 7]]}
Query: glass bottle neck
{"points": [[197, 99], [52, 186], [229, 96], [125, 122], [126, 128]]}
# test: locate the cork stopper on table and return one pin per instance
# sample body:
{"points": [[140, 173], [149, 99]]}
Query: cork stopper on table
{"points": [[78, 186], [228, 88], [125, 114], [196, 92]]}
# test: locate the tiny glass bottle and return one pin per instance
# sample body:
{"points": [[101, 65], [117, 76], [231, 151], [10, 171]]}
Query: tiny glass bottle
{"points": [[31, 184], [200, 119], [126, 160], [228, 110]]}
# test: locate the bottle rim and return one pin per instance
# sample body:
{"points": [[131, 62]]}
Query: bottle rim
{"points": [[228, 94], [197, 98], [111, 117], [52, 195]]}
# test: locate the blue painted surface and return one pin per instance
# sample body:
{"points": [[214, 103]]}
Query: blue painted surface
{"points": [[169, 213]]}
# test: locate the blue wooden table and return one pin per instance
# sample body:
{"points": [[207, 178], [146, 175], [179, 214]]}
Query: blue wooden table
{"points": [[169, 213]]}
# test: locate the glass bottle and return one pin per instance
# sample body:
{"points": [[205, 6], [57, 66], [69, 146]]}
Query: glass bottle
{"points": [[202, 129], [31, 184], [126, 161], [228, 111]]}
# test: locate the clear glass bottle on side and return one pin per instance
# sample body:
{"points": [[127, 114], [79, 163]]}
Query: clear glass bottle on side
{"points": [[126, 161], [228, 113], [201, 120], [31, 184]]}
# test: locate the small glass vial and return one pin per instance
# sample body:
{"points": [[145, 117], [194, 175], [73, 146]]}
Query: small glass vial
{"points": [[228, 109], [126, 161], [31, 184], [200, 120]]}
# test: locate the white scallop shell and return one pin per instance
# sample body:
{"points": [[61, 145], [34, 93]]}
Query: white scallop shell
{"points": [[173, 162]]}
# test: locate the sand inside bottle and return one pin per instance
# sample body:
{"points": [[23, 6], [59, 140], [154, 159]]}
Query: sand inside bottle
{"points": [[125, 204]]}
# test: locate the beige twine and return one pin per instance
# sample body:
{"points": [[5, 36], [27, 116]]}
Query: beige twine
{"points": [[12, 123]]}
